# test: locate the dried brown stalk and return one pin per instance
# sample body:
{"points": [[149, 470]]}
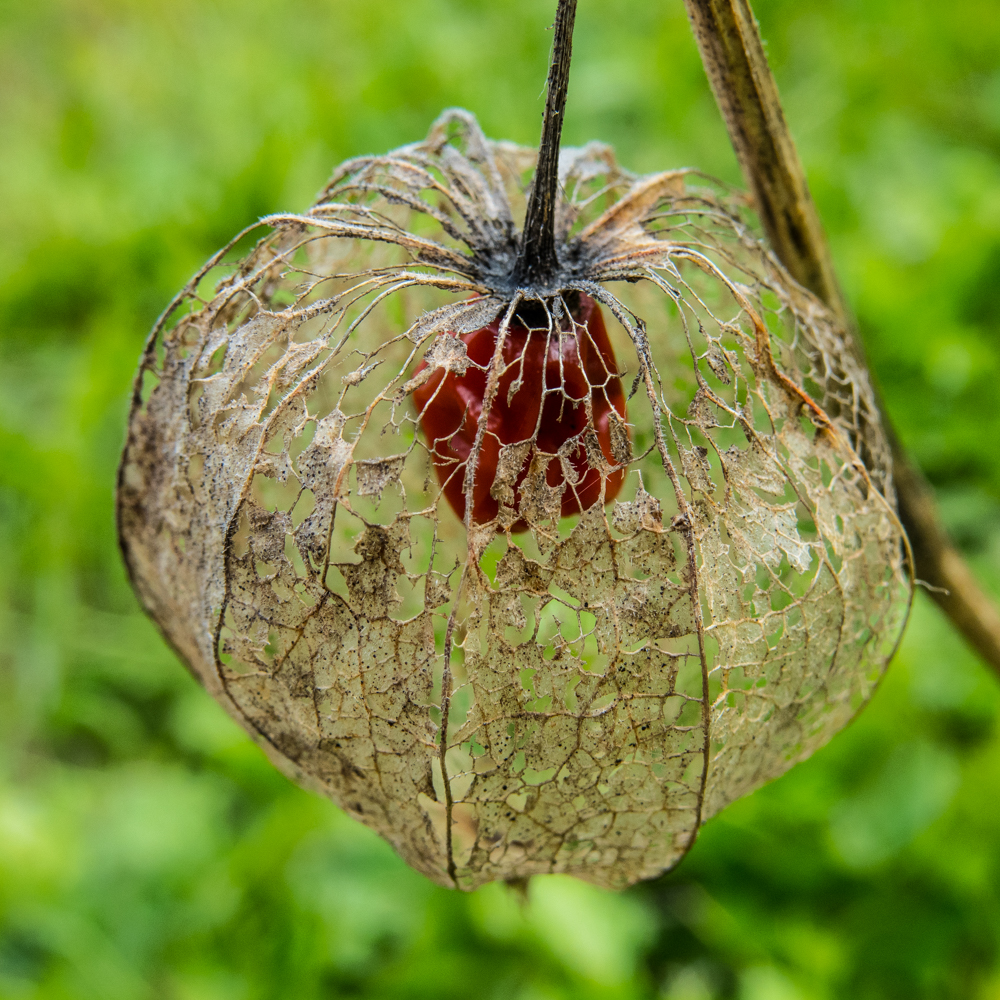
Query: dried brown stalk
{"points": [[744, 87]]}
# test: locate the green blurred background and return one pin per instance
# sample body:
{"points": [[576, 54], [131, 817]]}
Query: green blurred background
{"points": [[147, 850]]}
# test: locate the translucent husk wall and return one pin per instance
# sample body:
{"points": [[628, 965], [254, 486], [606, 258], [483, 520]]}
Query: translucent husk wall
{"points": [[578, 697]]}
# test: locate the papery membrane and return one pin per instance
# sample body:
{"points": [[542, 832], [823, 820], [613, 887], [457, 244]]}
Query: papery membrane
{"points": [[577, 698]]}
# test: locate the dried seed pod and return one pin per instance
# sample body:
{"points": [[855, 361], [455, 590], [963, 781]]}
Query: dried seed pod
{"points": [[578, 697]]}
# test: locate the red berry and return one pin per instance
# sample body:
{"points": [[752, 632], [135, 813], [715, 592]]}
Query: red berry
{"points": [[558, 370]]}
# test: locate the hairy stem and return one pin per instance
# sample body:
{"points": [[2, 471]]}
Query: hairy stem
{"points": [[744, 87], [537, 263]]}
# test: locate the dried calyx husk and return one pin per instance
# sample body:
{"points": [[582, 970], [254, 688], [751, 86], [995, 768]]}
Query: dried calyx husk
{"points": [[575, 697]]}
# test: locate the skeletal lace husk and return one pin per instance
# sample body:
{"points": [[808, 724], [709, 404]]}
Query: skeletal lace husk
{"points": [[609, 681]]}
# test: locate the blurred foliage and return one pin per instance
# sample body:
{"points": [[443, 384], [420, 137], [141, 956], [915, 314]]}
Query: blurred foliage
{"points": [[147, 849]]}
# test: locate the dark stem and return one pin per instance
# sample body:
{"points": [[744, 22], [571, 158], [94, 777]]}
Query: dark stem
{"points": [[537, 263]]}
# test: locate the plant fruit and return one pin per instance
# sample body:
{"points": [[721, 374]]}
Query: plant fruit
{"points": [[541, 400], [578, 698]]}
